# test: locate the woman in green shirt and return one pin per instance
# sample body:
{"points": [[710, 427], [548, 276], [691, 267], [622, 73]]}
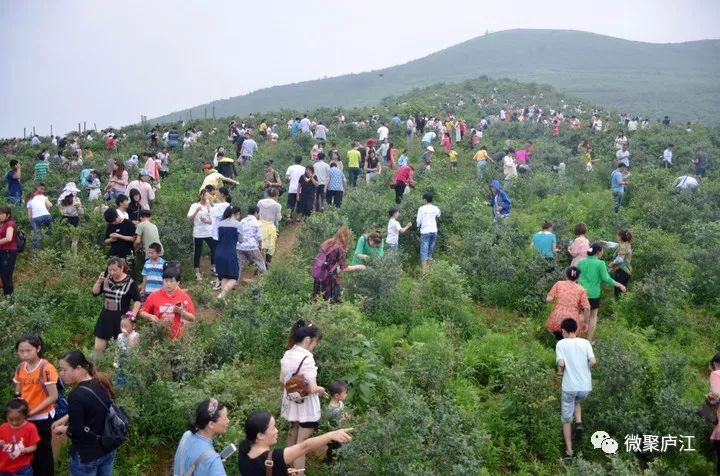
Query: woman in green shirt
{"points": [[593, 272], [369, 244]]}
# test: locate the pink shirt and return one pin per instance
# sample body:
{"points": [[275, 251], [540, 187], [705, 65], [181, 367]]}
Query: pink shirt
{"points": [[521, 156], [715, 388], [578, 249]]}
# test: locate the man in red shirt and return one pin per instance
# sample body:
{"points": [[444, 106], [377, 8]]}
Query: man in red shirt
{"points": [[403, 177], [169, 305]]}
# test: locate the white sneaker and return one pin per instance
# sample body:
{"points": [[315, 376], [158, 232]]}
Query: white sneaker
{"points": [[198, 276]]}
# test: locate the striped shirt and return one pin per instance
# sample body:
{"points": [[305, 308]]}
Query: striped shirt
{"points": [[41, 170], [152, 273]]}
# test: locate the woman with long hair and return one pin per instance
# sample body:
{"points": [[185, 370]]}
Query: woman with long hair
{"points": [[302, 412], [330, 260], [621, 265], [195, 453], [256, 455], [88, 405], [200, 214], [226, 260], [35, 382], [118, 181], [118, 290], [135, 207]]}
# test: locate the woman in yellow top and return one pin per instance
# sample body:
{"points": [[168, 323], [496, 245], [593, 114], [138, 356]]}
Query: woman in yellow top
{"points": [[481, 159], [586, 151]]}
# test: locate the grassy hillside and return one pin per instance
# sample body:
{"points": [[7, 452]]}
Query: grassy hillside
{"points": [[451, 371], [641, 78]]}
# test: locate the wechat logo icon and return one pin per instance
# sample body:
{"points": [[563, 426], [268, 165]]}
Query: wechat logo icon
{"points": [[601, 440]]}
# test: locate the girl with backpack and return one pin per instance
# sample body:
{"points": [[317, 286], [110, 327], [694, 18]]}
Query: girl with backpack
{"points": [[88, 406], [301, 407], [36, 382], [330, 259]]}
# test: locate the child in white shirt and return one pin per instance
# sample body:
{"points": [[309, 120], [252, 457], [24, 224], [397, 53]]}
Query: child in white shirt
{"points": [[394, 229]]}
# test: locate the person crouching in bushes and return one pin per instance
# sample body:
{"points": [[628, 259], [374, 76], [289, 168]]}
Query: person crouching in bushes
{"points": [[170, 305], [302, 412], [195, 453], [621, 265], [329, 261], [18, 438], [369, 245], [571, 299], [256, 456]]}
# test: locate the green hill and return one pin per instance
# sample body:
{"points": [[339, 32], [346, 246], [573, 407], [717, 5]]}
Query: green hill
{"points": [[451, 371], [641, 78]]}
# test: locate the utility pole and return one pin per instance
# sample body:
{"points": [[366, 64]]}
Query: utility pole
{"points": [[51, 131]]}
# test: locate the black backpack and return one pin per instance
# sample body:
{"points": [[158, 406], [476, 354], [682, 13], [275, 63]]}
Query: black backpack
{"points": [[20, 241], [117, 424]]}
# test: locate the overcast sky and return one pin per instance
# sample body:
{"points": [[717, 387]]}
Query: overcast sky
{"points": [[64, 62]]}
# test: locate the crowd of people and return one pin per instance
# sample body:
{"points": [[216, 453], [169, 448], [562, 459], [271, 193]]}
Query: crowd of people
{"points": [[141, 283]]}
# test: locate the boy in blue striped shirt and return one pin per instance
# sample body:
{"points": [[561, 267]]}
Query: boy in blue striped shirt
{"points": [[152, 270]]}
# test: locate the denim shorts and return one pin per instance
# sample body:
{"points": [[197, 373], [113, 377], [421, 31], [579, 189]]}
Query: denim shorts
{"points": [[427, 245], [567, 404]]}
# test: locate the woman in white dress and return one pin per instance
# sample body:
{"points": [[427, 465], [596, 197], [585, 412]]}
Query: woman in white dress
{"points": [[303, 414]]}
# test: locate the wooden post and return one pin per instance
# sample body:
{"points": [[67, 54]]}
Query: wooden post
{"points": [[24, 133], [95, 127], [84, 127], [51, 131], [205, 113], [79, 128], [33, 130], [213, 111]]}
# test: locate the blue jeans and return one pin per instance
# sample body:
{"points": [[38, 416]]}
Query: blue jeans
{"points": [[99, 467], [36, 224], [17, 201], [427, 245], [353, 174], [618, 198], [24, 471]]}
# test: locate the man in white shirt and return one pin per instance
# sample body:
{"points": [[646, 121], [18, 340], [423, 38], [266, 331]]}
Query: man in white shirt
{"points": [[322, 171], [667, 156], [623, 155], [292, 176], [574, 358], [382, 132], [427, 224]]}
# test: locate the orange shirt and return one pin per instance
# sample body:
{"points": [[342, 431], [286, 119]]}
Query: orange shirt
{"points": [[31, 388], [162, 306]]}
